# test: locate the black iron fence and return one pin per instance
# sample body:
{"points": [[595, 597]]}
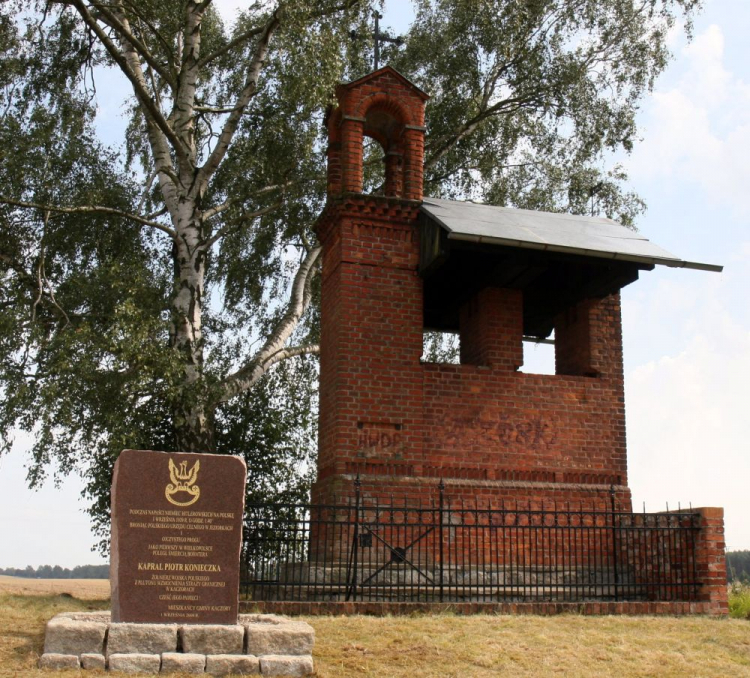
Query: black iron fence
{"points": [[450, 552]]}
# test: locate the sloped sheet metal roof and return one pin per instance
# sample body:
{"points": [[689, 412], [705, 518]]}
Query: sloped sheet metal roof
{"points": [[527, 229]]}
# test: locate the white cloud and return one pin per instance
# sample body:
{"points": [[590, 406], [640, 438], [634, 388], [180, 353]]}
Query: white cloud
{"points": [[688, 408], [46, 526], [699, 130]]}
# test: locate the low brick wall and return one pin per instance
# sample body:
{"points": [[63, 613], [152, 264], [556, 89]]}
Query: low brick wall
{"points": [[573, 561]]}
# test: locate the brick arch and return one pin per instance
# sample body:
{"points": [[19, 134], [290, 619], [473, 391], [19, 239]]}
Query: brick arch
{"points": [[385, 102], [388, 109], [385, 122]]}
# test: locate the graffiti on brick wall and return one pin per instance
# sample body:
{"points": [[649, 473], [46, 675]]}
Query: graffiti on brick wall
{"points": [[381, 440], [535, 432]]}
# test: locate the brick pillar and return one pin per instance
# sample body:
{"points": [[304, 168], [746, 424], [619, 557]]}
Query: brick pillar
{"points": [[710, 559], [394, 180], [414, 161], [573, 341], [352, 136], [371, 340], [588, 339], [491, 327]]}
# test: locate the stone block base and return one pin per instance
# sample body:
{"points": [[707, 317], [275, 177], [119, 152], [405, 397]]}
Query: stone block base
{"points": [[93, 662], [58, 662], [278, 665], [134, 663], [265, 644], [222, 664]]}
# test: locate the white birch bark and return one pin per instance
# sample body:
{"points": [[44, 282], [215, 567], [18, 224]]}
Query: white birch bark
{"points": [[172, 143]]}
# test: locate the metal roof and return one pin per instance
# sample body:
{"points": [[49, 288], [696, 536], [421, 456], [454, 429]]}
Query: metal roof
{"points": [[527, 229]]}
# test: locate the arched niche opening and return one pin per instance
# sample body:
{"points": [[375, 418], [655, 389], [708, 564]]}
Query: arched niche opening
{"points": [[379, 120], [383, 151]]}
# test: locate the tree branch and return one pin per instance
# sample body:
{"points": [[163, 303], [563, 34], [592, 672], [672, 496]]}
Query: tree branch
{"points": [[502, 107], [230, 45], [257, 30], [233, 120], [273, 350], [234, 226], [114, 22], [91, 209], [292, 352], [184, 100], [212, 109], [133, 6], [138, 83], [223, 207]]}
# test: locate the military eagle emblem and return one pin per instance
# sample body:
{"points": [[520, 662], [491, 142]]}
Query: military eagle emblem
{"points": [[183, 481]]}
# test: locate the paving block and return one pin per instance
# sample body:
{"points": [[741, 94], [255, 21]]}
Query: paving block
{"points": [[257, 618], [141, 639], [289, 638], [213, 639], [58, 662], [134, 663], [182, 662], [75, 635], [291, 666], [224, 664], [93, 662]]}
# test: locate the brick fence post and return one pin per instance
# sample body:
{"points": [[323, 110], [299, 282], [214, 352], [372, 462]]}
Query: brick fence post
{"points": [[710, 560]]}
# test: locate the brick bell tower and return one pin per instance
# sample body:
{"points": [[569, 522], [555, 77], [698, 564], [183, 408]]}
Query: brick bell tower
{"points": [[488, 431], [371, 315]]}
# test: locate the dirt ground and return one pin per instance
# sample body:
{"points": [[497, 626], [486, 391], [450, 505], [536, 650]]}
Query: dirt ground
{"points": [[84, 589]]}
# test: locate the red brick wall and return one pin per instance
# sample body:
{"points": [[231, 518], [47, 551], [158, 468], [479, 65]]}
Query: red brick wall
{"points": [[710, 555], [492, 329], [495, 435], [493, 432], [371, 334], [389, 417]]}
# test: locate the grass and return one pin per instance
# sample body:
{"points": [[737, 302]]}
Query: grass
{"points": [[446, 645], [739, 601]]}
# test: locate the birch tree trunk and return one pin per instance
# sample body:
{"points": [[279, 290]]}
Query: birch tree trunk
{"points": [[193, 416]]}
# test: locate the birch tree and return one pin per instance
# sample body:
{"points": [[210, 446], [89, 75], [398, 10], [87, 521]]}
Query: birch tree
{"points": [[160, 291]]}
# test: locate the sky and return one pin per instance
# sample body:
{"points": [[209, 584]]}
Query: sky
{"points": [[686, 333]]}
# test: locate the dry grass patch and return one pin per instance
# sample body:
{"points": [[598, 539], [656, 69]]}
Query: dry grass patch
{"points": [[445, 645], [22, 620], [531, 646], [85, 589]]}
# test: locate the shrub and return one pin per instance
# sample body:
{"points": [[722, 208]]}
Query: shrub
{"points": [[739, 600]]}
